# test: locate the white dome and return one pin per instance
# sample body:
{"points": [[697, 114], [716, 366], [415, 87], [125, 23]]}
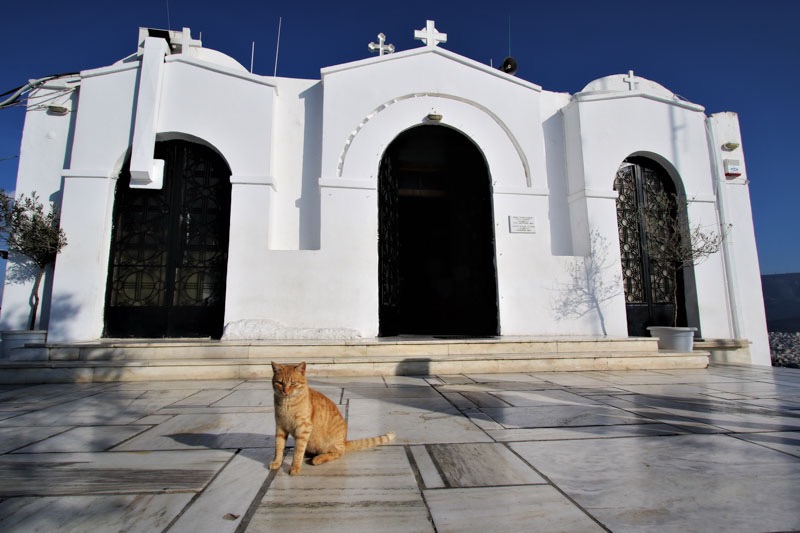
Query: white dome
{"points": [[218, 58], [622, 83]]}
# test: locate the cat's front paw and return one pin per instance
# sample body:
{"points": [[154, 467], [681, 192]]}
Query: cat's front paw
{"points": [[274, 465], [295, 470]]}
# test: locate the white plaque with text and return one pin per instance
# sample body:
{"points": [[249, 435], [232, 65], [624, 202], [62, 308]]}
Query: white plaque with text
{"points": [[521, 224]]}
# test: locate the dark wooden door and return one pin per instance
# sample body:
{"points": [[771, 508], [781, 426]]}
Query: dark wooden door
{"points": [[648, 283], [169, 249]]}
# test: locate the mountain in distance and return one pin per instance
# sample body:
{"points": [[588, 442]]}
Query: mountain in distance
{"points": [[782, 301]]}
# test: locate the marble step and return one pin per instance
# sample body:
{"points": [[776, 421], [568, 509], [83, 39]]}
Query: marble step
{"points": [[109, 350], [90, 371]]}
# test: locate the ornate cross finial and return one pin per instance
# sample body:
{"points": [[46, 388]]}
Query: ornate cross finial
{"points": [[630, 79], [184, 40], [429, 35], [380, 47]]}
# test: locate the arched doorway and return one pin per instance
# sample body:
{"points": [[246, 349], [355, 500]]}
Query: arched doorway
{"points": [[436, 236], [169, 248], [653, 288]]}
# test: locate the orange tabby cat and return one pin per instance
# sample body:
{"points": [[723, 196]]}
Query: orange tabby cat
{"points": [[312, 419]]}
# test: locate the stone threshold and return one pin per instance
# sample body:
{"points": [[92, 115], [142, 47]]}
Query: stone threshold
{"points": [[168, 370]]}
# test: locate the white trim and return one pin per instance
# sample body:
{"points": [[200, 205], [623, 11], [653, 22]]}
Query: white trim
{"points": [[520, 191], [596, 96], [339, 183], [703, 198], [605, 194], [112, 69], [491, 114], [261, 80], [238, 179], [87, 173], [447, 54]]}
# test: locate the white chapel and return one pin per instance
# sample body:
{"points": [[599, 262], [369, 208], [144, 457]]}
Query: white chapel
{"points": [[415, 192]]}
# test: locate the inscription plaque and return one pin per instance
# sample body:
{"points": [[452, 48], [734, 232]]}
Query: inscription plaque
{"points": [[522, 224]]}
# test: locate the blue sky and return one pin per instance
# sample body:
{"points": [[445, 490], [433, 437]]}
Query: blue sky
{"points": [[732, 55]]}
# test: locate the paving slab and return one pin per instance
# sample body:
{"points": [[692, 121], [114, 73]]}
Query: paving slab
{"points": [[223, 505], [481, 465], [85, 438], [122, 512], [561, 416], [207, 431], [679, 483], [14, 438], [669, 450], [48, 474], [528, 508], [414, 420], [372, 490]]}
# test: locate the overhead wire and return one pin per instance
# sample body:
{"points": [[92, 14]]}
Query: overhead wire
{"points": [[17, 92]]}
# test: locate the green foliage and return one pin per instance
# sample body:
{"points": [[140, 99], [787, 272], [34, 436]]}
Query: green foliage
{"points": [[671, 243], [30, 230], [667, 242], [33, 232]]}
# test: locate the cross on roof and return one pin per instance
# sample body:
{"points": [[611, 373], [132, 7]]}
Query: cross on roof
{"points": [[429, 35], [630, 79], [380, 47]]}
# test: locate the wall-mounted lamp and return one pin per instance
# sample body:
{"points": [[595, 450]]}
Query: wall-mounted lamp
{"points": [[434, 117], [57, 110], [730, 147]]}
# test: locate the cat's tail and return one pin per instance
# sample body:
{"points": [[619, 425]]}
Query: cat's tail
{"points": [[371, 442]]}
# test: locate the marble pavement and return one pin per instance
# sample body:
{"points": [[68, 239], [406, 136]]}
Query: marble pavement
{"points": [[668, 450]]}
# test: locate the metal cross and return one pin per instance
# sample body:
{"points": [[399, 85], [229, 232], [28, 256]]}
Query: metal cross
{"points": [[631, 81], [429, 35], [380, 47]]}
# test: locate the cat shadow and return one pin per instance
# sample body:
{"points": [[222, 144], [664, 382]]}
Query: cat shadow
{"points": [[251, 445], [224, 441]]}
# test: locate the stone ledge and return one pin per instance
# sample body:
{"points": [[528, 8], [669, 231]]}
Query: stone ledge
{"points": [[110, 371]]}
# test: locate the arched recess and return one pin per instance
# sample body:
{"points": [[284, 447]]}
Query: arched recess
{"points": [[358, 157], [437, 269], [656, 292], [169, 248]]}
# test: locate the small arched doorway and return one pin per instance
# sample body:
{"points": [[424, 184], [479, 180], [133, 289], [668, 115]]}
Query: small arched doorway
{"points": [[436, 236], [655, 292], [169, 248]]}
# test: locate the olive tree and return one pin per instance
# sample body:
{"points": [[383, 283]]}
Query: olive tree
{"points": [[31, 231]]}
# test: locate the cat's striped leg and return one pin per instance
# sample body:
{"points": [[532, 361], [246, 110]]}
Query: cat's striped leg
{"points": [[332, 455], [280, 444], [301, 436]]}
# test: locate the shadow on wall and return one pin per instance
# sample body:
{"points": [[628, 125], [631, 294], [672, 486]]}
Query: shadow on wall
{"points": [[22, 271], [59, 306], [593, 281], [414, 366], [309, 202], [558, 206]]}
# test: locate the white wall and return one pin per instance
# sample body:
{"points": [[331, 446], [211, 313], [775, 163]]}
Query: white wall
{"points": [[304, 157], [43, 153], [743, 275]]}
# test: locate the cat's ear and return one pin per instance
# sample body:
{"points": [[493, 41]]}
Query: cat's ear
{"points": [[275, 366], [302, 368]]}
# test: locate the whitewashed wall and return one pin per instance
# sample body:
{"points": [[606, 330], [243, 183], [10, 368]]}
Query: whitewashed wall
{"points": [[304, 156], [44, 151]]}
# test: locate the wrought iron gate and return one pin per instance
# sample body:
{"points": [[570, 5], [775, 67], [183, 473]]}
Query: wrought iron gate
{"points": [[169, 248], [648, 283]]}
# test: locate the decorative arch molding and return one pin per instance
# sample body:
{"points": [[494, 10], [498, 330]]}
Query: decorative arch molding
{"points": [[477, 127], [666, 164]]}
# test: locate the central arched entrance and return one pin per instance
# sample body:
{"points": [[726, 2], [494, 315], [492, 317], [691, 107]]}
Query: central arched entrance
{"points": [[436, 236]]}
